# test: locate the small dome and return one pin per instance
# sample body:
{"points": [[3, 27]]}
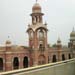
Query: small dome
{"points": [[36, 8], [72, 33], [8, 42], [58, 41]]}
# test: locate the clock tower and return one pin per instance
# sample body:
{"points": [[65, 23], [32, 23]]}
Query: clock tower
{"points": [[37, 32]]}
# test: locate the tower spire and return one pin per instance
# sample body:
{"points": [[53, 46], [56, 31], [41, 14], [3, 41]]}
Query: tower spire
{"points": [[73, 29]]}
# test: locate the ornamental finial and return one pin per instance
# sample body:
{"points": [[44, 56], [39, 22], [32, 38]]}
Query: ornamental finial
{"points": [[73, 29]]}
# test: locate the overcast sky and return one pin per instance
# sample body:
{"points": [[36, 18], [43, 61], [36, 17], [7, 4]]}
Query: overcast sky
{"points": [[15, 17]]}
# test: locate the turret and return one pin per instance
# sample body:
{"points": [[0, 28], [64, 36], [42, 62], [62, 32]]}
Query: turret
{"points": [[8, 44], [72, 39], [59, 45], [36, 14]]}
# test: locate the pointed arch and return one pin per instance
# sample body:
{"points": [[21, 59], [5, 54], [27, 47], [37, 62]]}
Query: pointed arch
{"points": [[25, 62], [16, 63], [41, 27], [69, 56], [1, 64], [54, 58], [42, 60], [63, 57]]}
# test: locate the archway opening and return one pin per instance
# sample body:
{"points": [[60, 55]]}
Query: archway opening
{"points": [[42, 60], [25, 62], [63, 57], [69, 56], [16, 63], [1, 64], [54, 58]]}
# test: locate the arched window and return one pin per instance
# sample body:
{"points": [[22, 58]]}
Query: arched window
{"points": [[16, 63], [69, 56], [25, 62], [34, 19], [63, 57], [1, 64], [41, 47], [41, 34], [42, 60], [54, 58]]}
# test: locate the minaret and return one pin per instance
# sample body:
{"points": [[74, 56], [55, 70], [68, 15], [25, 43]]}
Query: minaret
{"points": [[59, 45], [8, 44], [59, 48], [72, 39], [8, 55], [71, 44], [37, 32]]}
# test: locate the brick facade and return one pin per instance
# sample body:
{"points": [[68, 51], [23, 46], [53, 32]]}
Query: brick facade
{"points": [[38, 52]]}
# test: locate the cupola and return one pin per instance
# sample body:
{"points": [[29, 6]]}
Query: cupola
{"points": [[72, 33], [8, 42], [36, 8]]}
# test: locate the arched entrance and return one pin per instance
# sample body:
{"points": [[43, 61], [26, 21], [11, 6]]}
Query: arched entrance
{"points": [[63, 57], [69, 56], [54, 58], [1, 64], [42, 60], [25, 62], [16, 63]]}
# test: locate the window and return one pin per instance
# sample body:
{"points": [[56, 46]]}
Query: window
{"points": [[1, 64], [25, 62], [16, 63], [69, 56], [41, 47], [54, 58], [63, 57], [41, 34]]}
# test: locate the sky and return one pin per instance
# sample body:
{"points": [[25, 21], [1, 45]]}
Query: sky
{"points": [[15, 17]]}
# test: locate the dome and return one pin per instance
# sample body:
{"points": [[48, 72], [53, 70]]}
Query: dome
{"points": [[36, 8], [8, 42], [72, 33], [58, 41]]}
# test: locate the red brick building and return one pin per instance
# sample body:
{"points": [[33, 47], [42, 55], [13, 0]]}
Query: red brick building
{"points": [[39, 52]]}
